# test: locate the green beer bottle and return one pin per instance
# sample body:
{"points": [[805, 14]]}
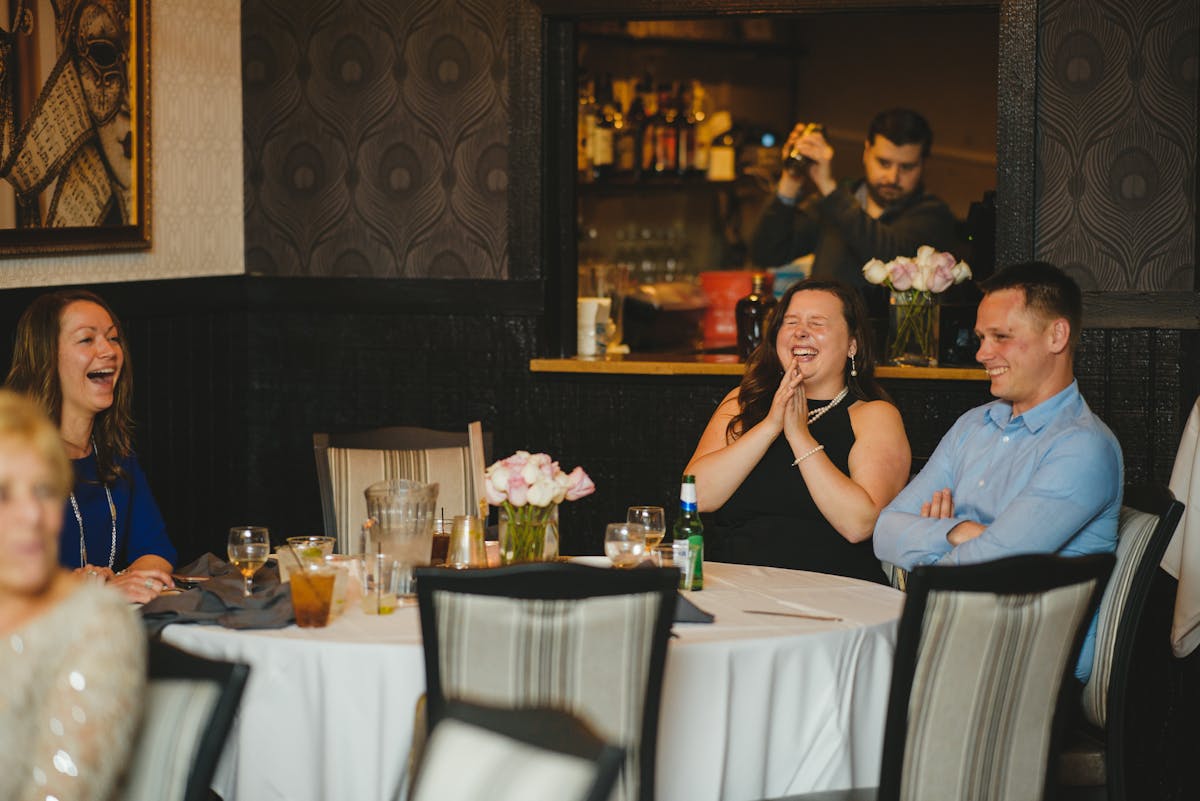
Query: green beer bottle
{"points": [[688, 527]]}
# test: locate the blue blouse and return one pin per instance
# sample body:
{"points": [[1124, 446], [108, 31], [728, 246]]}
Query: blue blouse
{"points": [[140, 527]]}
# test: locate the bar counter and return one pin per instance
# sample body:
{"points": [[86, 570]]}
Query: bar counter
{"points": [[719, 364]]}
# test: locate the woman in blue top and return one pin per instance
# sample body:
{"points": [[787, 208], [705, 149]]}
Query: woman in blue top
{"points": [[70, 358]]}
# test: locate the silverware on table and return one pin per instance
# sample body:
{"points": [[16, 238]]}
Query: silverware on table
{"points": [[792, 614]]}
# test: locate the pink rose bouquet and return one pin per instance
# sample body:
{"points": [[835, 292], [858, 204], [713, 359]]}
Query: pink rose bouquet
{"points": [[528, 487], [914, 281], [930, 270]]}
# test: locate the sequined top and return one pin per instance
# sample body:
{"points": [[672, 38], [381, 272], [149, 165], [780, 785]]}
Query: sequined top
{"points": [[70, 687]]}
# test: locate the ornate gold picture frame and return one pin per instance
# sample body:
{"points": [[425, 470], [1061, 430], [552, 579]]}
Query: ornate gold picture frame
{"points": [[74, 126]]}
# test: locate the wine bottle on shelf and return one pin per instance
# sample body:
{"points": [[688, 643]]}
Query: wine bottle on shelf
{"points": [[722, 157], [685, 131], [751, 312], [584, 123], [627, 126], [689, 527], [649, 139], [602, 130], [701, 119], [666, 148]]}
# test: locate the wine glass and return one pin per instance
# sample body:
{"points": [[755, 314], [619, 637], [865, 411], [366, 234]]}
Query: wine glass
{"points": [[625, 543], [655, 521], [249, 547]]}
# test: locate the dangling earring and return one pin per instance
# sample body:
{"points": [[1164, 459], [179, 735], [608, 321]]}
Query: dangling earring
{"points": [[853, 368]]}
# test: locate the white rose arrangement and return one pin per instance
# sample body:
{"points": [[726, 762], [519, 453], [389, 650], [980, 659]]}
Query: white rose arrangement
{"points": [[529, 487], [914, 282], [929, 271]]}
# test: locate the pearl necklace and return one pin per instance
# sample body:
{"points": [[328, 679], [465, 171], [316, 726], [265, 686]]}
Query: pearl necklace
{"points": [[816, 414], [112, 512]]}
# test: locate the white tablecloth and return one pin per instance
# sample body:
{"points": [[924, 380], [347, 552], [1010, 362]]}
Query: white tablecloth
{"points": [[754, 706]]}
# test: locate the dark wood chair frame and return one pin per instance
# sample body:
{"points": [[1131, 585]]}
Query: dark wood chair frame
{"points": [[167, 662], [555, 581], [550, 730], [1155, 499], [1017, 575]]}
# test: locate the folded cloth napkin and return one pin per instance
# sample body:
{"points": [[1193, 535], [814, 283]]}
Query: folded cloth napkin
{"points": [[688, 612], [208, 565], [220, 601]]}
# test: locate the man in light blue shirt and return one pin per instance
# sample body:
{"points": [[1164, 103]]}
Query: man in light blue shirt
{"points": [[1032, 472]]}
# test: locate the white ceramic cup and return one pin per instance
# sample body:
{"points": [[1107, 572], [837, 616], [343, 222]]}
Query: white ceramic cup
{"points": [[592, 324]]}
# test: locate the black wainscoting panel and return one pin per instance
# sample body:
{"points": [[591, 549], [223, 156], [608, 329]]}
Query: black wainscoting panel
{"points": [[342, 371], [633, 435], [929, 408], [233, 376]]}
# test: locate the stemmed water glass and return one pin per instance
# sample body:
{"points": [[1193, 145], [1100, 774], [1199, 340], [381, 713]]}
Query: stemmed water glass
{"points": [[625, 543], [655, 521], [249, 547]]}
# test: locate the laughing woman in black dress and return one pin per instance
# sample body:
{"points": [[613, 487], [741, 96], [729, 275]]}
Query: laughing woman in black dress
{"points": [[799, 459]]}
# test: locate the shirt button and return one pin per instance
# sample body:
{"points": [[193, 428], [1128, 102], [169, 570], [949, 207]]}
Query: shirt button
{"points": [[981, 482], [1005, 439]]}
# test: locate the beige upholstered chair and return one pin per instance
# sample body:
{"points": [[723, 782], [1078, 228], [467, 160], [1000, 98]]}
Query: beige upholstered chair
{"points": [[349, 463], [589, 641], [189, 708], [981, 656], [1094, 754], [481, 753]]}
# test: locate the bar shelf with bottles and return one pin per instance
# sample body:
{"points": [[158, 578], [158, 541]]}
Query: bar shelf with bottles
{"points": [[634, 132]]}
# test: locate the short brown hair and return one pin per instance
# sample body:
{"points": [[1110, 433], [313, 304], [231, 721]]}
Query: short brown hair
{"points": [[22, 422], [1049, 292], [34, 372]]}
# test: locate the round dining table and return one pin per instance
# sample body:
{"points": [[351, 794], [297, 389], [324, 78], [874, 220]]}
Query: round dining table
{"points": [[785, 692]]}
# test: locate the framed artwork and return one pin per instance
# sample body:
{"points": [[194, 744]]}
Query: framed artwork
{"points": [[74, 126]]}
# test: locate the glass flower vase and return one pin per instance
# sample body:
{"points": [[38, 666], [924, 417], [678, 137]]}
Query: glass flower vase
{"points": [[913, 329], [528, 533]]}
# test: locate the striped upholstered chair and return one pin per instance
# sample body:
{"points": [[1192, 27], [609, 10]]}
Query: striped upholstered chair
{"points": [[348, 463], [1094, 753], [189, 708], [479, 753], [981, 656], [586, 640]]}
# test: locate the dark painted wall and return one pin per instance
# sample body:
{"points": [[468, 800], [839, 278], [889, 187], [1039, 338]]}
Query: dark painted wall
{"points": [[1116, 138], [376, 138]]}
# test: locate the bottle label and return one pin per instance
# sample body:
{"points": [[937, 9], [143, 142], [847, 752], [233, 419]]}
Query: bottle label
{"points": [[602, 147], [687, 497]]}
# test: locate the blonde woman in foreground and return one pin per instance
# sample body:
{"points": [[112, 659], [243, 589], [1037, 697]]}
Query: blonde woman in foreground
{"points": [[72, 652]]}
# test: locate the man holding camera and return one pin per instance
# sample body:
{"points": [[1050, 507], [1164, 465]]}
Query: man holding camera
{"points": [[885, 214]]}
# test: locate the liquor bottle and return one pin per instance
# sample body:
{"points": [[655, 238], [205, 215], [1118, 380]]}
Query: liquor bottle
{"points": [[700, 118], [602, 130], [751, 312], [629, 140], [666, 148], [722, 157], [585, 121], [649, 139], [796, 163], [685, 127], [688, 527]]}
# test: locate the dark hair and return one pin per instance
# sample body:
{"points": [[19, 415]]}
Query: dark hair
{"points": [[902, 126], [763, 370], [1049, 292], [34, 372]]}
